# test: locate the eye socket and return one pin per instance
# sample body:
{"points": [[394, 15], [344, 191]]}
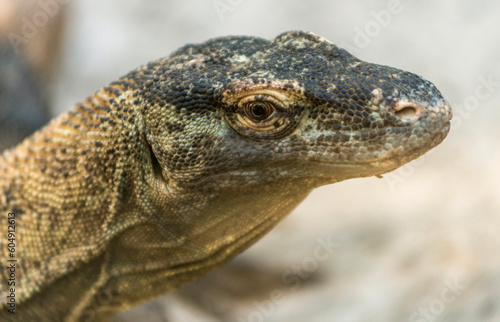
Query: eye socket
{"points": [[261, 116], [258, 110]]}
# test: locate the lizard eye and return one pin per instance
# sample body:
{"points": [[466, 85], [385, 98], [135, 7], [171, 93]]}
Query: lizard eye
{"points": [[259, 111], [262, 116]]}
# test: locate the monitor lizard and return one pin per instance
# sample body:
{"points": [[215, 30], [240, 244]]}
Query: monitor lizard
{"points": [[183, 163]]}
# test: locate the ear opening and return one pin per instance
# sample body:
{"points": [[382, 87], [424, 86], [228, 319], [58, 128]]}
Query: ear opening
{"points": [[157, 169]]}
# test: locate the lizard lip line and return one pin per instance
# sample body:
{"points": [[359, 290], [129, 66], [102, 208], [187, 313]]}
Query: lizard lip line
{"points": [[437, 137], [414, 153], [394, 160], [385, 164]]}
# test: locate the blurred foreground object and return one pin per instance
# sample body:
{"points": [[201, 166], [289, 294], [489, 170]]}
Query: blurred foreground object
{"points": [[30, 35]]}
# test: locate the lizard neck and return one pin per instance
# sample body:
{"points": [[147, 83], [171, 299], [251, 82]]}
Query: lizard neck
{"points": [[202, 232], [68, 180]]}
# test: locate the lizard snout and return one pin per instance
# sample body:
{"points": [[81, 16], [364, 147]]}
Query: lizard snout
{"points": [[410, 111]]}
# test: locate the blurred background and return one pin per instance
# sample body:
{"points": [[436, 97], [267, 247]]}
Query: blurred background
{"points": [[421, 244]]}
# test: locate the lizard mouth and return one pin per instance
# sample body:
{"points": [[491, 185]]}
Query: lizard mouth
{"points": [[321, 170], [327, 172], [391, 162]]}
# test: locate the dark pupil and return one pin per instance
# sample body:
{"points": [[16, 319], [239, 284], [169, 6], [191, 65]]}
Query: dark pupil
{"points": [[259, 111]]}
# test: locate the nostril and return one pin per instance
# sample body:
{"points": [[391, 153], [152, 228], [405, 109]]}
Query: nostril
{"points": [[406, 112]]}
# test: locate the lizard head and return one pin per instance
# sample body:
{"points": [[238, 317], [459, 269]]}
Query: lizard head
{"points": [[243, 110], [235, 132]]}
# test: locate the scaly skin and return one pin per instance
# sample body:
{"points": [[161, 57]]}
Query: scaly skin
{"points": [[183, 163]]}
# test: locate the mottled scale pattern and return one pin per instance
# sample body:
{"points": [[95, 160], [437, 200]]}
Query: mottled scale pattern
{"points": [[180, 165]]}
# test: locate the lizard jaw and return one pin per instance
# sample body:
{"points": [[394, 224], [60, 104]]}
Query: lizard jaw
{"points": [[348, 170]]}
